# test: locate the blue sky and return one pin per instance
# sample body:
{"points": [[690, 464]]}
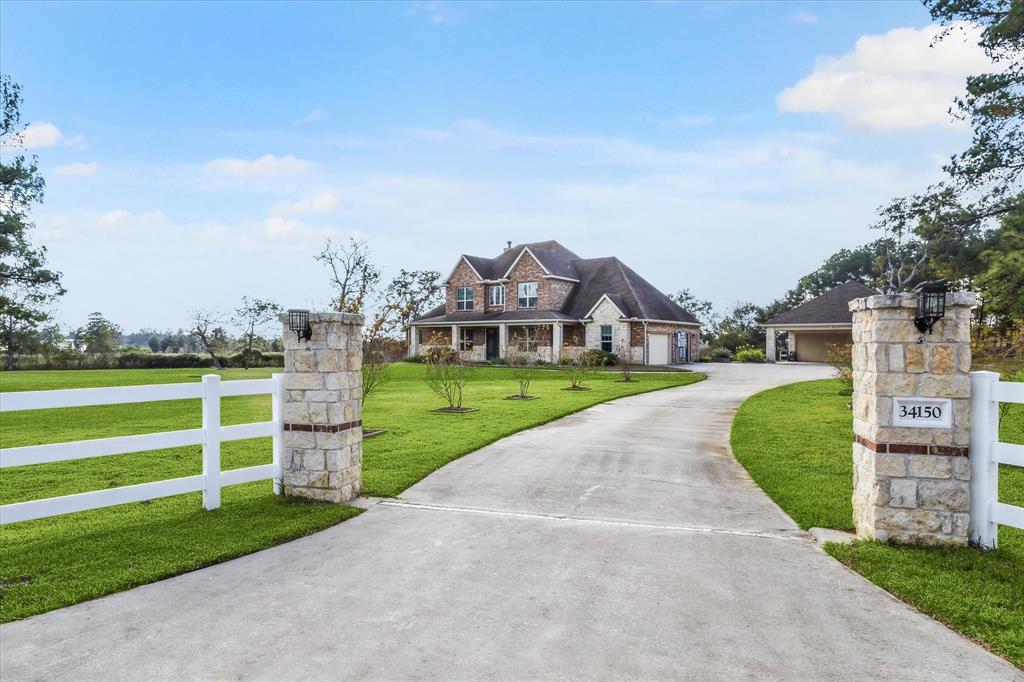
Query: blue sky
{"points": [[197, 153]]}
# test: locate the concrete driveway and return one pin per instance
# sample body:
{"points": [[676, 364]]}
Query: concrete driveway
{"points": [[623, 542]]}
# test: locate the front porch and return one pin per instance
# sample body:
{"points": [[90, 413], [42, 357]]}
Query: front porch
{"points": [[489, 342]]}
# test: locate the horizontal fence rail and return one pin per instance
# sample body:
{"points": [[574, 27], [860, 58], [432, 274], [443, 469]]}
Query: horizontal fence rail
{"points": [[210, 390], [987, 453]]}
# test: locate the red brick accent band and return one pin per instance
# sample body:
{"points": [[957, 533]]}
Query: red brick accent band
{"points": [[912, 448], [324, 428]]}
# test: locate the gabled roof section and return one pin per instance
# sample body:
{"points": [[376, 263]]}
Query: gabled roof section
{"points": [[633, 294], [832, 307], [552, 256]]}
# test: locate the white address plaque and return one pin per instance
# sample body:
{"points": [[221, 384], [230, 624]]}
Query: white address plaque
{"points": [[922, 413]]}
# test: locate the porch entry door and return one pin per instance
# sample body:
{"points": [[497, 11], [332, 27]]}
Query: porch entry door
{"points": [[492, 343]]}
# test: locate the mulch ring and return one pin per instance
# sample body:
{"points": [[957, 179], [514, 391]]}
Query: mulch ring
{"points": [[455, 410], [519, 397]]}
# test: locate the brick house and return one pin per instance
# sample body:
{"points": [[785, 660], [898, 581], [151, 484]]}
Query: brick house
{"points": [[544, 300]]}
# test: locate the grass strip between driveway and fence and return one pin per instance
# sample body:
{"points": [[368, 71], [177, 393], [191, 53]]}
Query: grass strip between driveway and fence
{"points": [[795, 441], [59, 561]]}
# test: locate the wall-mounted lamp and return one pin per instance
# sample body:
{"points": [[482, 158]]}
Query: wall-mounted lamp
{"points": [[931, 305], [298, 322]]}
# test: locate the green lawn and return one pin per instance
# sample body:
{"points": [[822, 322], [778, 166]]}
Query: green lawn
{"points": [[54, 562], [796, 443]]}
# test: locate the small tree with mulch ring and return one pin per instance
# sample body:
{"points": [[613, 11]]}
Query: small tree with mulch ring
{"points": [[447, 376], [578, 368], [523, 370], [625, 362]]}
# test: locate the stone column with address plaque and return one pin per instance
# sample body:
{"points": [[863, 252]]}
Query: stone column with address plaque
{"points": [[911, 408]]}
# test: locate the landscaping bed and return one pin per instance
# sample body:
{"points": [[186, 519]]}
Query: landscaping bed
{"points": [[796, 440], [62, 560]]}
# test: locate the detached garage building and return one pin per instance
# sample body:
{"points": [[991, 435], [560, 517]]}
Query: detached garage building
{"points": [[813, 326]]}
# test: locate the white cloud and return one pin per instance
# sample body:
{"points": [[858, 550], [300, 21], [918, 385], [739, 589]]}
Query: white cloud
{"points": [[804, 18], [317, 114], [324, 202], [267, 165], [892, 81], [35, 136], [78, 169]]}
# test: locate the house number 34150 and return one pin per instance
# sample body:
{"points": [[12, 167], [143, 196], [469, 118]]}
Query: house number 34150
{"points": [[915, 412]]}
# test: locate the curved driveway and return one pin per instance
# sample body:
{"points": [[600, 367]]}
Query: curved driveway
{"points": [[622, 542]]}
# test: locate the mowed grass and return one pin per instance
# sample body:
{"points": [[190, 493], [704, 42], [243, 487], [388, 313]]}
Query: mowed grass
{"points": [[796, 443], [54, 562]]}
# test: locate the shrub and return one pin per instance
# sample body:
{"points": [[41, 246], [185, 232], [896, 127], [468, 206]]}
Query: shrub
{"points": [[749, 354], [600, 358], [840, 356], [721, 355], [440, 353]]}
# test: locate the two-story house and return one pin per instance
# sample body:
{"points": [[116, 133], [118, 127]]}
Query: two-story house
{"points": [[546, 301]]}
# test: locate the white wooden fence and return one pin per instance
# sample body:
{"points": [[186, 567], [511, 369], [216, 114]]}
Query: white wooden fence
{"points": [[210, 436], [987, 453]]}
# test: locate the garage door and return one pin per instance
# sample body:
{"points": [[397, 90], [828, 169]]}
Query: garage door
{"points": [[658, 345]]}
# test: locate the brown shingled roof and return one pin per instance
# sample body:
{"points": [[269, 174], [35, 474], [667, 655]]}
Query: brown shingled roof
{"points": [[832, 307]]}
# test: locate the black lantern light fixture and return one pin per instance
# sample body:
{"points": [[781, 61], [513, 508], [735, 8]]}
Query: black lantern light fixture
{"points": [[298, 322], [931, 305]]}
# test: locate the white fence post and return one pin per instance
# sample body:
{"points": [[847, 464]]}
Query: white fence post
{"points": [[211, 441], [277, 416], [984, 471]]}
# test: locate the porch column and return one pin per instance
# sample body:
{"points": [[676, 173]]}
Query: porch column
{"points": [[502, 339], [414, 341], [455, 337], [556, 341], [769, 344]]}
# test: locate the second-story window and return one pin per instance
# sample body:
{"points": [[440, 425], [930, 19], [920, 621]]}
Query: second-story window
{"points": [[464, 298], [496, 295], [527, 294]]}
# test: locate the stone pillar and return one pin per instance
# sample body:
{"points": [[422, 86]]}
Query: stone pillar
{"points": [[414, 342], [910, 467], [556, 341], [502, 340], [769, 344], [455, 338], [323, 452]]}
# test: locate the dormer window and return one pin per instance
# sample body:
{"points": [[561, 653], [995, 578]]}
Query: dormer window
{"points": [[464, 298], [527, 294]]}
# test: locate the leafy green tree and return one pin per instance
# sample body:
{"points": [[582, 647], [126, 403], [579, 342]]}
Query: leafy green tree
{"points": [[27, 286], [252, 316], [408, 296], [154, 343], [1001, 279], [99, 336], [700, 308]]}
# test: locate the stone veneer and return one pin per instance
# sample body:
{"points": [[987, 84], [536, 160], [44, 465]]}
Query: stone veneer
{"points": [[911, 485], [322, 454]]}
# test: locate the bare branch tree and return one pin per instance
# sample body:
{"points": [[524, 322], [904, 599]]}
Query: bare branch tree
{"points": [[202, 323], [352, 273], [252, 316], [375, 366]]}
